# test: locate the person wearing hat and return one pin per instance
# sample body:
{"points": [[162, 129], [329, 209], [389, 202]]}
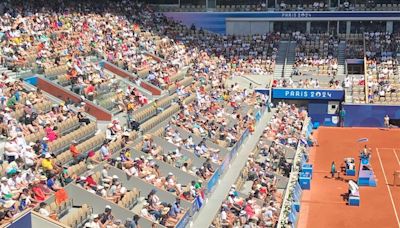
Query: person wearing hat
{"points": [[124, 139], [47, 163], [94, 222], [154, 202], [90, 181], [11, 148], [44, 145], [82, 118], [146, 147], [6, 191], [170, 184], [106, 216], [145, 212], [167, 220], [11, 209], [38, 190], [110, 132]]}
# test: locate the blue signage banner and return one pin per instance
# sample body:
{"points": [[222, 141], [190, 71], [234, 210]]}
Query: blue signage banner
{"points": [[262, 91], [24, 221], [369, 115], [184, 220], [32, 80], [215, 21], [308, 94], [213, 181]]}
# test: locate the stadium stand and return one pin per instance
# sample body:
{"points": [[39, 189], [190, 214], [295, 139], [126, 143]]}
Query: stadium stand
{"points": [[176, 124]]}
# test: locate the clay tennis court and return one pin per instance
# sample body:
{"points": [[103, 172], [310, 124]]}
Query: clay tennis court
{"points": [[324, 205]]}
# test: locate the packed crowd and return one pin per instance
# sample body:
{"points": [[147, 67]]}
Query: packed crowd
{"points": [[261, 207], [285, 126], [316, 54], [382, 66], [243, 55], [64, 40]]}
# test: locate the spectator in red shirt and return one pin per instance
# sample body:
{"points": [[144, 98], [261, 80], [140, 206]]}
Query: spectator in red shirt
{"points": [[90, 91], [51, 134], [90, 181]]}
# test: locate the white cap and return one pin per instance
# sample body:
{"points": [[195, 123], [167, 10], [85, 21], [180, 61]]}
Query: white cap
{"points": [[45, 138], [47, 155], [108, 206], [170, 174], [115, 177]]}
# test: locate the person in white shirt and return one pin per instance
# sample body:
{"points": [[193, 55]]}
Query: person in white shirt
{"points": [[43, 211], [20, 140], [93, 222], [28, 156], [11, 149]]}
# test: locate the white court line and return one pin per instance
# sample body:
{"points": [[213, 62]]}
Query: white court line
{"points": [[388, 188], [395, 154]]}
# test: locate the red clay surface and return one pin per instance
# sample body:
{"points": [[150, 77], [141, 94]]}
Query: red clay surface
{"points": [[323, 205]]}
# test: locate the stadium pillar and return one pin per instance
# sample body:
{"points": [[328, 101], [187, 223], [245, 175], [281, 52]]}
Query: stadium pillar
{"points": [[389, 26], [348, 27], [308, 26]]}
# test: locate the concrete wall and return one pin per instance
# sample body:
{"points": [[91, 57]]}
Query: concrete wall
{"points": [[65, 94], [38, 221], [81, 196], [247, 27], [122, 73], [145, 188]]}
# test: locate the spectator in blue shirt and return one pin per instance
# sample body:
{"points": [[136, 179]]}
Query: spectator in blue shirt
{"points": [[45, 146], [51, 183], [175, 209]]}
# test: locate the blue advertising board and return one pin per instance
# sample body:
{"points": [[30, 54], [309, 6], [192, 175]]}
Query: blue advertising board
{"points": [[24, 221], [307, 94], [216, 21], [264, 91], [213, 180], [184, 220], [31, 80], [369, 115]]}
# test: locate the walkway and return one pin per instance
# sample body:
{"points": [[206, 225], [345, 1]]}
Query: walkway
{"points": [[213, 203]]}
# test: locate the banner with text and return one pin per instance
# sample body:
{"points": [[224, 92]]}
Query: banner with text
{"points": [[308, 94]]}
